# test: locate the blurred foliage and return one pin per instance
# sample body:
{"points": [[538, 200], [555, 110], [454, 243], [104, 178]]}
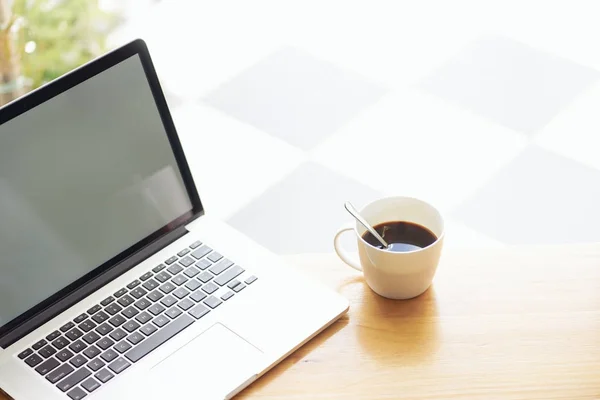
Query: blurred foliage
{"points": [[60, 35]]}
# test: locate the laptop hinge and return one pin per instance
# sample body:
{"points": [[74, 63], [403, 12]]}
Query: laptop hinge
{"points": [[88, 288]]}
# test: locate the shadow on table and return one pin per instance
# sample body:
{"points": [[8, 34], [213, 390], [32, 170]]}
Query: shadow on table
{"points": [[403, 332]]}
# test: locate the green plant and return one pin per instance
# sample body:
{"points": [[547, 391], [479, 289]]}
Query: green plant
{"points": [[60, 35]]}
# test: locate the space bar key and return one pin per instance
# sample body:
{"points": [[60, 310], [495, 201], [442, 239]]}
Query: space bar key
{"points": [[150, 344]]}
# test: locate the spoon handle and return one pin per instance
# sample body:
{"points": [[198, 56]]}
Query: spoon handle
{"points": [[350, 208]]}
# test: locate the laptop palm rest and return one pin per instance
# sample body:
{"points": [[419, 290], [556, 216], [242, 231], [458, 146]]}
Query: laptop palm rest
{"points": [[210, 366]]}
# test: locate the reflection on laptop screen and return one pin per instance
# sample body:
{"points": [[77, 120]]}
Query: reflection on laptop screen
{"points": [[83, 177]]}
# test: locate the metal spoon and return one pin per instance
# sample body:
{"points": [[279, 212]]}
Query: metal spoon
{"points": [[350, 208]]}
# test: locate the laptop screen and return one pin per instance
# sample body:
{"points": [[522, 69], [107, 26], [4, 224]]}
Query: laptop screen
{"points": [[83, 177]]}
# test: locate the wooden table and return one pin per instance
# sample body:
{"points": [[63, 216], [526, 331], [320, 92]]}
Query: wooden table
{"points": [[514, 323]]}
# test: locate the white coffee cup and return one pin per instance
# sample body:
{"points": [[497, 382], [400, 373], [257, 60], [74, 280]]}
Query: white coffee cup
{"points": [[396, 275]]}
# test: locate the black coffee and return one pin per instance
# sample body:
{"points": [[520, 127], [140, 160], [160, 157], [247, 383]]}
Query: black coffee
{"points": [[401, 236]]}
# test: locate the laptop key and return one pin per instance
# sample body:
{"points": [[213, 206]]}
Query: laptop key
{"points": [[90, 384], [195, 244], [118, 334], [38, 345], [78, 361], [227, 296], [142, 304], [25, 353], [92, 352], [74, 334], [77, 346], [183, 252], [104, 343], [192, 285], [210, 288], [214, 256], [180, 293], [137, 337], [64, 355], [126, 300], [59, 373], [233, 283], [197, 296], [67, 326], [167, 287], [191, 272], [201, 252], [47, 366], [150, 285], [185, 304], [175, 269], [53, 336], [130, 312], [199, 311], [119, 365], [77, 394], [187, 261], [203, 264], [221, 266], [73, 379], [122, 346], [212, 302], [155, 295], [133, 284], [239, 288], [168, 301], [156, 309], [120, 292], [94, 309], [143, 318], [148, 329], [170, 260], [146, 276], [161, 320], [138, 292], [228, 275], [33, 360], [60, 343], [160, 337], [117, 320], [104, 375], [179, 280], [131, 326], [87, 325], [112, 309], [80, 318], [109, 355], [100, 317], [250, 279], [205, 277], [162, 277], [107, 301], [104, 329], [47, 351], [158, 268], [96, 364], [91, 337], [173, 312]]}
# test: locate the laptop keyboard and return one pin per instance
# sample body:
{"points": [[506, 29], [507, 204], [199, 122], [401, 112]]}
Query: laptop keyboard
{"points": [[94, 347]]}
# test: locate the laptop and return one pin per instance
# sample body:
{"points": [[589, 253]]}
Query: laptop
{"points": [[114, 284]]}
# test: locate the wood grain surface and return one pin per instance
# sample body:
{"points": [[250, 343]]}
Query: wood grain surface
{"points": [[513, 323]]}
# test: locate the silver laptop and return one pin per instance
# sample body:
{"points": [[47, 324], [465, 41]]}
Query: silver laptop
{"points": [[113, 282]]}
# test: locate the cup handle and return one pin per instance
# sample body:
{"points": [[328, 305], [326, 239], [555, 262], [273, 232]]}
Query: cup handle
{"points": [[341, 252]]}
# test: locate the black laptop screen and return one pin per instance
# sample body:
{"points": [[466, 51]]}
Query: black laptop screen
{"points": [[83, 177]]}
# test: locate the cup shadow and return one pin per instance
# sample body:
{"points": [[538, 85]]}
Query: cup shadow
{"points": [[398, 331]]}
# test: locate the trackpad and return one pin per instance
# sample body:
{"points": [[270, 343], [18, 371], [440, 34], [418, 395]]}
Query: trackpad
{"points": [[210, 366]]}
